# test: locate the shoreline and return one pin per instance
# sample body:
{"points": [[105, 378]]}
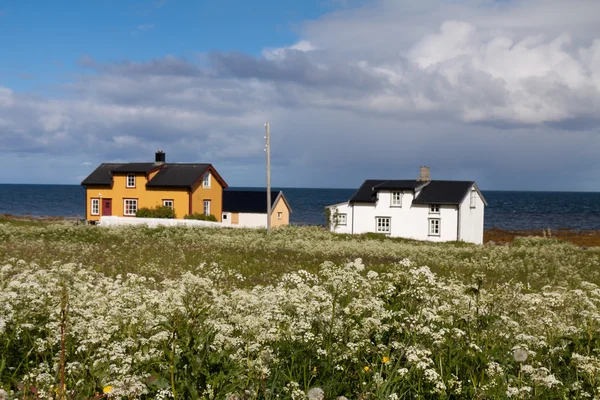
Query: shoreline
{"points": [[493, 236]]}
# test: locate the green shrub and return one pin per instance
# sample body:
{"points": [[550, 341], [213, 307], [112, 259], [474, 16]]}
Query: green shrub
{"points": [[201, 217], [156, 212]]}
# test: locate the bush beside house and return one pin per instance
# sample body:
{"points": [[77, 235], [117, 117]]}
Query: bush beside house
{"points": [[156, 212]]}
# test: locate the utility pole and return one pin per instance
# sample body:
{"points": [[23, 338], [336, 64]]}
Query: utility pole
{"points": [[268, 151]]}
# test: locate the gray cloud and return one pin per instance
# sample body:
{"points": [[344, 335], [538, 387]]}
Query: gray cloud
{"points": [[469, 89]]}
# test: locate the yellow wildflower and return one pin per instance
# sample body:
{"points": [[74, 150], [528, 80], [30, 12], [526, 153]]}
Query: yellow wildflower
{"points": [[107, 389], [385, 360], [366, 368]]}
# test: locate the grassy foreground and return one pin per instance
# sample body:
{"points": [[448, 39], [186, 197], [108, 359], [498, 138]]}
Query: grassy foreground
{"points": [[91, 312]]}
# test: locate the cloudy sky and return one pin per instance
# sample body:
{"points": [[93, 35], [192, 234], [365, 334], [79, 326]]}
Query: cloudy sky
{"points": [[506, 93]]}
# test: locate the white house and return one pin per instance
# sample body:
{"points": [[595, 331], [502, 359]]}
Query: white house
{"points": [[421, 209]]}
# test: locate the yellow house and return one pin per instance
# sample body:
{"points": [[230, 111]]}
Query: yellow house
{"points": [[121, 189], [249, 208]]}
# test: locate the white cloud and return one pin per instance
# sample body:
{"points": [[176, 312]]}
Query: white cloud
{"points": [[504, 93]]}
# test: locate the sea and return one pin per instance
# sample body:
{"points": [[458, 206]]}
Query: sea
{"points": [[510, 210]]}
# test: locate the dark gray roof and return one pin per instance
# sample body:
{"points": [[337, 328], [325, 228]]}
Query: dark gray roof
{"points": [[247, 201], [443, 192], [101, 175], [178, 175], [432, 192], [366, 192], [135, 168]]}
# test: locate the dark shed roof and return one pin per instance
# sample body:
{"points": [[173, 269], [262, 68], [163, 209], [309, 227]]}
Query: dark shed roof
{"points": [[101, 175], [178, 175], [135, 168], [247, 201], [443, 192]]}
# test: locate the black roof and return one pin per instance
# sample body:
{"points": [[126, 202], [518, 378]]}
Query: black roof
{"points": [[432, 192], [101, 175], [178, 175], [366, 192], [443, 192], [135, 167], [247, 201]]}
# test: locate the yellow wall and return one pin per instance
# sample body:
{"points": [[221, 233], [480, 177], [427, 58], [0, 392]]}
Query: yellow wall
{"points": [[146, 197], [214, 194], [285, 214]]}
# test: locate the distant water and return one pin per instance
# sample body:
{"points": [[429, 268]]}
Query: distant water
{"points": [[506, 210]]}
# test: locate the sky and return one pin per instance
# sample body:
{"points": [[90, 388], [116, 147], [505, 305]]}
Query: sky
{"points": [[505, 93]]}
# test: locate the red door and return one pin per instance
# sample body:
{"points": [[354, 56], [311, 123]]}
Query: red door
{"points": [[106, 207]]}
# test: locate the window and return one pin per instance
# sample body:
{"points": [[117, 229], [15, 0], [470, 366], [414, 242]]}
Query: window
{"points": [[168, 203], [224, 216], [434, 227], [396, 199], [473, 198], [130, 207], [130, 180], [279, 213], [383, 224], [206, 207], [434, 209], [341, 219], [95, 207], [206, 181]]}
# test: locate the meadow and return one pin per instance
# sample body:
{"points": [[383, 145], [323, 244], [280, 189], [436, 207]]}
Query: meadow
{"points": [[297, 313]]}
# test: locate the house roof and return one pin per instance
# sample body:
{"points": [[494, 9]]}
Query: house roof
{"points": [[101, 175], [249, 201], [431, 192], [169, 175], [443, 192], [178, 175], [135, 168]]}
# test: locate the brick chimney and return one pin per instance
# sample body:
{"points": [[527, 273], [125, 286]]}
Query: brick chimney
{"points": [[160, 158], [424, 175]]}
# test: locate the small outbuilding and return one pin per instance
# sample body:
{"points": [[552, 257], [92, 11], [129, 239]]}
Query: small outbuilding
{"points": [[249, 208]]}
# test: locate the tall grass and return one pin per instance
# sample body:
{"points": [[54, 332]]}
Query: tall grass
{"points": [[90, 312]]}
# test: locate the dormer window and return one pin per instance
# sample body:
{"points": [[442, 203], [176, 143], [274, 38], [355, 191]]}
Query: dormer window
{"points": [[206, 181], [396, 199], [130, 180], [434, 208]]}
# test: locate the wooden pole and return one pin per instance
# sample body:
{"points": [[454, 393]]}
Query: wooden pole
{"points": [[268, 150]]}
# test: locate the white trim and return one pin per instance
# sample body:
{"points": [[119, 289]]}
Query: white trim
{"points": [[125, 206], [393, 202], [127, 180], [206, 203], [432, 225], [97, 206], [378, 224], [171, 206], [206, 181]]}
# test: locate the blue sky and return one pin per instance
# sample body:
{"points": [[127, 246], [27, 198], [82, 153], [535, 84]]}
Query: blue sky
{"points": [[504, 93]]}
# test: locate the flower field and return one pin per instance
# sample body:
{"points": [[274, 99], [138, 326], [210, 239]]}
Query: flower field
{"points": [[299, 313]]}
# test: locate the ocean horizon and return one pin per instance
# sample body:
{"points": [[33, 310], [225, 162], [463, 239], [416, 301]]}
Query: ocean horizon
{"points": [[507, 209]]}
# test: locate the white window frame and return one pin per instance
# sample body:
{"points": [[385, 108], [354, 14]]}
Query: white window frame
{"points": [[95, 203], [206, 207], [342, 219], [435, 227], [380, 227], [434, 209], [473, 199], [169, 203], [206, 181], [396, 202], [130, 178], [132, 201], [279, 214]]}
